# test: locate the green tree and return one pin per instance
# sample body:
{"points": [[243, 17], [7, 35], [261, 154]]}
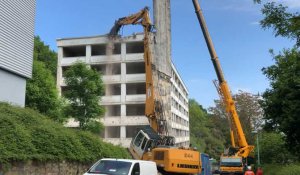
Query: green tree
{"points": [[249, 111], [41, 92], [282, 22], [282, 101], [44, 54], [201, 128], [85, 88], [273, 150]]}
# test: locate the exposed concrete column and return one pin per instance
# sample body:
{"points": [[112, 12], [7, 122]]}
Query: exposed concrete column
{"points": [[59, 69], [162, 22], [123, 93], [122, 132], [123, 89], [123, 111], [123, 51], [88, 54]]}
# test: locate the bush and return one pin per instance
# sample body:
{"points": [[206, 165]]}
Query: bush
{"points": [[278, 169], [28, 135]]}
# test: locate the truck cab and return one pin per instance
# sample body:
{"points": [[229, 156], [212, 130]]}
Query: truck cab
{"points": [[231, 165]]}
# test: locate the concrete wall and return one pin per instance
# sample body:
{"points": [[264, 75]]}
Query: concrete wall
{"points": [[45, 168], [12, 88], [162, 46]]}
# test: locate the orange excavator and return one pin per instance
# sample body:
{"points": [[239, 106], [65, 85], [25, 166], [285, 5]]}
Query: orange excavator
{"points": [[154, 142], [233, 161]]}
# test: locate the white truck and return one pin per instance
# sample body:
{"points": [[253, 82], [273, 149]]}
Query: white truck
{"points": [[122, 167]]}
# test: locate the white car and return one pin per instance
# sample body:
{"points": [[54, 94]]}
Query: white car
{"points": [[122, 167]]}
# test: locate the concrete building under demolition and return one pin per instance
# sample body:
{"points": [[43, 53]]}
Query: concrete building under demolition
{"points": [[123, 72]]}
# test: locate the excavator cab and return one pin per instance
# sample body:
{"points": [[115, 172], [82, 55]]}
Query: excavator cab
{"points": [[144, 141]]}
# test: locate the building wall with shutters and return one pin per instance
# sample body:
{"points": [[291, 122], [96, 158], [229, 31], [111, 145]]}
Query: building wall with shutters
{"points": [[16, 36], [16, 48]]}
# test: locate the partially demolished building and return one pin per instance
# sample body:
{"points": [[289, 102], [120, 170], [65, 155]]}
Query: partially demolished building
{"points": [[122, 65], [124, 77]]}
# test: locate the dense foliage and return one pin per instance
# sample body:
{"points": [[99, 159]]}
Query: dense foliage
{"points": [[282, 101], [283, 23], [85, 88], [278, 169], [41, 92], [28, 135], [43, 53], [203, 134], [273, 150]]}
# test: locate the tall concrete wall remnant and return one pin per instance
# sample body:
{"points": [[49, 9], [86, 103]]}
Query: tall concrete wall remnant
{"points": [[162, 56]]}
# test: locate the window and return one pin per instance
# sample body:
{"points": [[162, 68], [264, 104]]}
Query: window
{"points": [[135, 47], [135, 68], [74, 51], [144, 143], [138, 140], [111, 167], [136, 169]]}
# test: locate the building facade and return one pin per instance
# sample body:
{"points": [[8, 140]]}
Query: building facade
{"points": [[123, 73], [16, 48]]}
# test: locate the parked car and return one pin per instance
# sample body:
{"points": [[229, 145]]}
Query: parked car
{"points": [[122, 167]]}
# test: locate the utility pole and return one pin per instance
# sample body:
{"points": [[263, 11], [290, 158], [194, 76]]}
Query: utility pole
{"points": [[258, 157]]}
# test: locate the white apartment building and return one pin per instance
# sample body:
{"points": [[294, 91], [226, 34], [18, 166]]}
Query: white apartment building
{"points": [[124, 77]]}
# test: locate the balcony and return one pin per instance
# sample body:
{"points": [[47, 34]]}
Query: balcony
{"points": [[71, 60], [134, 57], [110, 79], [181, 139], [135, 78], [135, 120], [111, 121], [135, 98], [105, 59], [113, 99]]}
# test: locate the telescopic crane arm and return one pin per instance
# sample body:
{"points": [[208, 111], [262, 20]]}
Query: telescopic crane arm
{"points": [[244, 148]]}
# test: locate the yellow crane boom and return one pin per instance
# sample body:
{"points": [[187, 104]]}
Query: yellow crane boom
{"points": [[236, 128]]}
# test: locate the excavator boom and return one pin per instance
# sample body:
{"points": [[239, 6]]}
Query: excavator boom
{"points": [[143, 18]]}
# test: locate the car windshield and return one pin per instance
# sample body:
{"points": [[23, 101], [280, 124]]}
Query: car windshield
{"points": [[111, 167], [232, 162]]}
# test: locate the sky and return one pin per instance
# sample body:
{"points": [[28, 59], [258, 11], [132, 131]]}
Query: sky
{"points": [[241, 44]]}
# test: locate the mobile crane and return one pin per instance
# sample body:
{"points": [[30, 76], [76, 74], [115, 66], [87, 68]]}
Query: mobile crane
{"points": [[231, 162], [153, 142]]}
